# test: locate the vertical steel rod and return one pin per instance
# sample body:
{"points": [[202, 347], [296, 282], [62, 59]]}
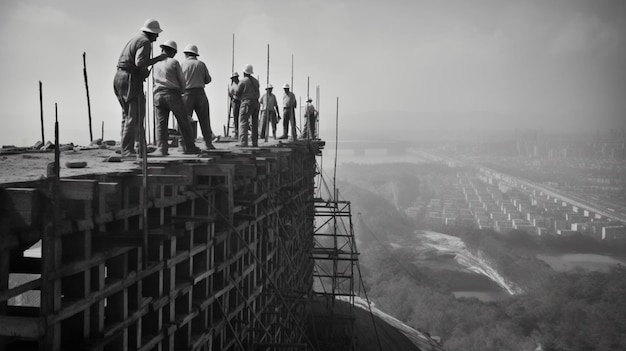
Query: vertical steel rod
{"points": [[43, 139], [87, 90]]}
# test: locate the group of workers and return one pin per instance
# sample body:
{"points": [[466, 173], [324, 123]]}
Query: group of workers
{"points": [[179, 88]]}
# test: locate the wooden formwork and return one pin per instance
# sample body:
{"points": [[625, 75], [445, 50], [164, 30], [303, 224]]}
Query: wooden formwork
{"points": [[226, 266]]}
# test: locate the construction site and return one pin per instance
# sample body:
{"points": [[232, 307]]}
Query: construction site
{"points": [[235, 249]]}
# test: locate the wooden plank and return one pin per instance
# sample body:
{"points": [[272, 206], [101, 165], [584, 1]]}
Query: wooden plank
{"points": [[23, 327], [21, 206], [160, 179], [31, 285], [108, 188], [78, 189]]}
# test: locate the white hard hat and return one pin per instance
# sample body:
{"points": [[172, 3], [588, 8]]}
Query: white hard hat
{"points": [[170, 44], [192, 49], [151, 26], [286, 86], [269, 86], [248, 69], [235, 74]]}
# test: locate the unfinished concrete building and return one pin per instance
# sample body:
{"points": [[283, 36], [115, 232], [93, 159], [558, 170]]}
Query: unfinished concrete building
{"points": [[213, 253]]}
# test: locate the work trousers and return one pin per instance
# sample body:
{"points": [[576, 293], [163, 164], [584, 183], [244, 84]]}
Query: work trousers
{"points": [[289, 116], [273, 120], [235, 105], [128, 89], [249, 113], [309, 127], [164, 102], [196, 100]]}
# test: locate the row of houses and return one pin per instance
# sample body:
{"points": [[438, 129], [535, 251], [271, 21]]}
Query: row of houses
{"points": [[487, 200]]}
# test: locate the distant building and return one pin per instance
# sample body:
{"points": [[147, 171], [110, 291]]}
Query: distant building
{"points": [[614, 232]]}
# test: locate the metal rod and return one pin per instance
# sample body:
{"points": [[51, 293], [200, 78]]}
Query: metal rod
{"points": [[317, 108], [57, 149], [43, 139], [336, 142], [267, 108], [102, 132], [232, 63], [87, 90]]}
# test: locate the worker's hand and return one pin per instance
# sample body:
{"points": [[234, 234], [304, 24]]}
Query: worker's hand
{"points": [[162, 57]]}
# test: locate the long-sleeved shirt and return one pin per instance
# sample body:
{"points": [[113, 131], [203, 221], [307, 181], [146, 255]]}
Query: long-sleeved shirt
{"points": [[232, 90], [248, 89], [168, 75], [195, 72], [289, 100], [309, 110], [268, 100], [136, 53]]}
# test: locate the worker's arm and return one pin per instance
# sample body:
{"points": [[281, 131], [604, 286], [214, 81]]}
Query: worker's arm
{"points": [[142, 57]]}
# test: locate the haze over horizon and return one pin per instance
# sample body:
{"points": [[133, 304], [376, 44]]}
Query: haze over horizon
{"points": [[556, 65]]}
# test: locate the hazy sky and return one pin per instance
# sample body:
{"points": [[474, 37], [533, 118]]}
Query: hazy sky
{"points": [[397, 64]]}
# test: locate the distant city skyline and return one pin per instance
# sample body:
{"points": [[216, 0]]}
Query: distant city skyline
{"points": [[555, 65]]}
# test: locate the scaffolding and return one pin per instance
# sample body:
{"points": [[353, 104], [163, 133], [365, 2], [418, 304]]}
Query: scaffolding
{"points": [[336, 257]]}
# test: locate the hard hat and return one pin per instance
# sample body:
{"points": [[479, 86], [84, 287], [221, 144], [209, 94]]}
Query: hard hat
{"points": [[286, 86], [151, 26], [269, 86], [170, 44], [235, 74], [192, 49], [248, 69]]}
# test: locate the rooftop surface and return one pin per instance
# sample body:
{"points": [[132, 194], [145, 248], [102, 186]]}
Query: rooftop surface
{"points": [[18, 165]]}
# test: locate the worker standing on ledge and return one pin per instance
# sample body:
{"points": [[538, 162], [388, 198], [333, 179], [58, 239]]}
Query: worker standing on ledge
{"points": [[269, 108], [169, 85], [195, 99], [132, 70], [310, 118], [289, 115], [248, 93], [235, 103]]}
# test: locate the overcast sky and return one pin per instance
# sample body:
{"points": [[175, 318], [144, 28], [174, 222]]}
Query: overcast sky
{"points": [[405, 64]]}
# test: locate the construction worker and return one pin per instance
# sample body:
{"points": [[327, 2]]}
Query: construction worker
{"points": [[310, 119], [289, 115], [248, 93], [269, 107], [169, 85], [235, 103], [132, 70], [195, 99]]}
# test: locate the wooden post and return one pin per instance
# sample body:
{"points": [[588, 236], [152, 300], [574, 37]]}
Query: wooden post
{"points": [[43, 139], [87, 90]]}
